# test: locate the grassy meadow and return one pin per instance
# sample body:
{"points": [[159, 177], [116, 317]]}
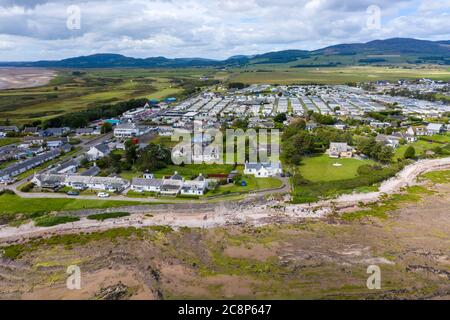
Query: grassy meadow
{"points": [[335, 75]]}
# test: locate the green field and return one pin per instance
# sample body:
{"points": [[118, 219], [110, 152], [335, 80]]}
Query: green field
{"points": [[73, 91], [11, 205], [340, 75], [8, 141], [420, 146], [321, 168]]}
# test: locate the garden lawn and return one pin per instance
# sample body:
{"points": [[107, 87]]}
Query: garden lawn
{"points": [[420, 146], [195, 169], [322, 169], [253, 184]]}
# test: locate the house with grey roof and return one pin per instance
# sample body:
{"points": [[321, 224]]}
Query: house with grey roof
{"points": [[263, 170], [99, 151], [7, 175], [436, 128], [340, 150], [146, 185]]}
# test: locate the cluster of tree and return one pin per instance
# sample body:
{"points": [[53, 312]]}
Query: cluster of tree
{"points": [[280, 118], [321, 118], [237, 85], [82, 118], [375, 150], [151, 158], [298, 142]]}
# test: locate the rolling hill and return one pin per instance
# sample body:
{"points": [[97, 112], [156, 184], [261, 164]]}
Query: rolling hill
{"points": [[389, 51]]}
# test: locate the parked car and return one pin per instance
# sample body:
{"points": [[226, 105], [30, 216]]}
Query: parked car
{"points": [[103, 195], [73, 193]]}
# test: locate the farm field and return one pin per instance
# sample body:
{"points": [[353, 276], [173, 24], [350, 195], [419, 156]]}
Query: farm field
{"points": [[339, 75], [322, 168], [74, 90]]}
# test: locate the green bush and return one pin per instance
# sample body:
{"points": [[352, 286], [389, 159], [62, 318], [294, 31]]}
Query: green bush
{"points": [[28, 187], [109, 215], [50, 221]]}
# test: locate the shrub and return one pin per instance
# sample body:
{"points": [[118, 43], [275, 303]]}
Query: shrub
{"points": [[28, 187], [109, 215], [49, 221], [410, 153]]}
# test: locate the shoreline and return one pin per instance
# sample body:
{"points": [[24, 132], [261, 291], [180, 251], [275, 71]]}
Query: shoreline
{"points": [[223, 214]]}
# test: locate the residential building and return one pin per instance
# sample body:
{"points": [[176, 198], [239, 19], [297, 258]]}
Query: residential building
{"points": [[435, 128], [7, 175], [263, 170], [340, 150], [99, 151], [146, 185]]}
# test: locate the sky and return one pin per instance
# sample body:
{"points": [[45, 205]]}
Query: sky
{"points": [[33, 30]]}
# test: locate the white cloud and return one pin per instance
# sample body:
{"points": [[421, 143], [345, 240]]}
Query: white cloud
{"points": [[206, 28]]}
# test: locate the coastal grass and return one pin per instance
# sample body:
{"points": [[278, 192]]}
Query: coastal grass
{"points": [[50, 221], [12, 205], [392, 203]]}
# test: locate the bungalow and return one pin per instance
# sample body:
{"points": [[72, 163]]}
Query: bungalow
{"points": [[57, 143], [263, 170], [97, 183], [86, 132], [417, 131], [56, 132], [435, 128], [31, 130], [49, 181], [99, 151], [146, 185], [54, 181], [6, 129], [340, 150], [7, 175], [173, 185], [196, 187]]}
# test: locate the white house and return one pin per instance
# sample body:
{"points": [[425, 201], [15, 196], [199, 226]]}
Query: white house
{"points": [[173, 185], [126, 130], [195, 187], [146, 185], [263, 170], [435, 128], [99, 151]]}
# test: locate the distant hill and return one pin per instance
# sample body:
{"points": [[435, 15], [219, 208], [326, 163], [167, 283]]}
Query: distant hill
{"points": [[390, 51], [395, 46]]}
